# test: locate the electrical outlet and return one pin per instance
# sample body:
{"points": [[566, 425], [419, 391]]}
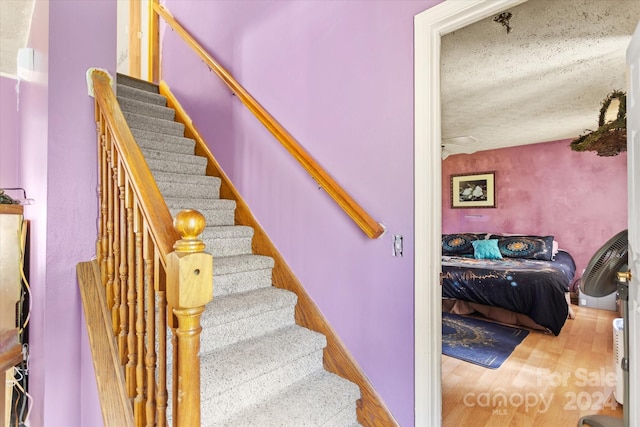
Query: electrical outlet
{"points": [[397, 245]]}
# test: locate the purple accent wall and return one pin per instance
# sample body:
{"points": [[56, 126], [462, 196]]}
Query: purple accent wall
{"points": [[8, 134], [56, 164], [339, 76], [545, 189]]}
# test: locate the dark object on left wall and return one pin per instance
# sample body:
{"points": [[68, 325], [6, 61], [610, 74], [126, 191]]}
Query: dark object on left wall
{"points": [[610, 139]]}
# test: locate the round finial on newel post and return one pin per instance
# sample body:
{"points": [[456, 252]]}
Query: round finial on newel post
{"points": [[189, 224]]}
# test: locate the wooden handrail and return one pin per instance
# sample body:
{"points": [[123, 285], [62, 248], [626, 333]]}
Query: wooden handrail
{"points": [[372, 228], [153, 206]]}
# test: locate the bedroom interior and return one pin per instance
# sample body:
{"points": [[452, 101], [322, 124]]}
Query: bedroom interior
{"points": [[542, 188]]}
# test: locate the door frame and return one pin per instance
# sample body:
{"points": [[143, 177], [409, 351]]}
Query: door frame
{"points": [[429, 27]]}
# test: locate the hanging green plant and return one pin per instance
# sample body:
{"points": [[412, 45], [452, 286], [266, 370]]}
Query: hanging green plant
{"points": [[610, 139]]}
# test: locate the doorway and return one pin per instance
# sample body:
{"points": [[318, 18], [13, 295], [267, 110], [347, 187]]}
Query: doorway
{"points": [[429, 27]]}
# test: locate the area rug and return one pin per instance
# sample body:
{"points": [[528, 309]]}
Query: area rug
{"points": [[477, 341]]}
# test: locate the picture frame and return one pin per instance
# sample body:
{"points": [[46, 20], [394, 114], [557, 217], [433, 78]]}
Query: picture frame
{"points": [[476, 190]]}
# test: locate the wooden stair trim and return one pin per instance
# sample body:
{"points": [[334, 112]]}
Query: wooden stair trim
{"points": [[114, 402], [337, 359]]}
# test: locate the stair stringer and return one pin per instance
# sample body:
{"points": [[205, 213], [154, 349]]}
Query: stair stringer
{"points": [[371, 410]]}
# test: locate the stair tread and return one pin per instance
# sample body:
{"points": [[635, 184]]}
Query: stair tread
{"points": [[200, 204], [312, 401], [230, 366], [150, 136], [139, 121], [226, 232], [145, 108], [185, 178], [237, 306]]}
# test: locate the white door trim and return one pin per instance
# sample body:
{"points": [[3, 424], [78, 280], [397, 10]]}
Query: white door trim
{"points": [[633, 171], [429, 26]]}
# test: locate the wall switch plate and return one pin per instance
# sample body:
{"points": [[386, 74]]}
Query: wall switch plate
{"points": [[397, 245]]}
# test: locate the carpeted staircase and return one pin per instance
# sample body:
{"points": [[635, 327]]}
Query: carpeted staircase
{"points": [[258, 367]]}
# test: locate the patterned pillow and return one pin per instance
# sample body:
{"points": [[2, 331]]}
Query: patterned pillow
{"points": [[486, 249], [528, 247], [460, 244]]}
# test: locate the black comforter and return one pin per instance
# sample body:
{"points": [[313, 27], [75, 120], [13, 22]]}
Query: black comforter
{"points": [[532, 287]]}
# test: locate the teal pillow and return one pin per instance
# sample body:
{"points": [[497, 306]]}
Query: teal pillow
{"points": [[486, 249]]}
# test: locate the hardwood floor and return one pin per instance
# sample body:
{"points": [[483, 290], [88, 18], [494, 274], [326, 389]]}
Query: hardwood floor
{"points": [[547, 380]]}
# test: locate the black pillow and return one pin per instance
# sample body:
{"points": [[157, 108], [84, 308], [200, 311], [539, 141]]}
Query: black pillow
{"points": [[460, 243], [528, 247]]}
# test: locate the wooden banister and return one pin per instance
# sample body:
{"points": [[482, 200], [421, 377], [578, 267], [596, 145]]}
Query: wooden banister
{"points": [[155, 211], [372, 228], [150, 275]]}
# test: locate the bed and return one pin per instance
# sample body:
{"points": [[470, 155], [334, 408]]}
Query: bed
{"points": [[519, 279]]}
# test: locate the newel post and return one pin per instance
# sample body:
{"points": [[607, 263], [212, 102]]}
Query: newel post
{"points": [[189, 289]]}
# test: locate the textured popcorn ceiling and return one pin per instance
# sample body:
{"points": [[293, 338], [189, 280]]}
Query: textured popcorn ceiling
{"points": [[15, 19], [543, 81]]}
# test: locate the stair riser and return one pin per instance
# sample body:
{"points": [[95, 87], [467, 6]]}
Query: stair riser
{"points": [[146, 109], [201, 205], [167, 147], [228, 247], [185, 191], [240, 282], [215, 337], [345, 418], [216, 409], [175, 167], [180, 159], [213, 217]]}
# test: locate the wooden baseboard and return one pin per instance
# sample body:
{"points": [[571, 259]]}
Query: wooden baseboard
{"points": [[116, 406]]}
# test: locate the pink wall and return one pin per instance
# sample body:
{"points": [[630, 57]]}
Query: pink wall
{"points": [[339, 76], [8, 134], [544, 189], [56, 165]]}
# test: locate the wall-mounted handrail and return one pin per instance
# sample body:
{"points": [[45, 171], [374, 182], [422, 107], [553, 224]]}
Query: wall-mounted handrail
{"points": [[372, 228]]}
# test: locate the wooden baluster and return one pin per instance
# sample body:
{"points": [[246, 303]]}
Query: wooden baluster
{"points": [[100, 132], [150, 358], [190, 288], [143, 266], [132, 220], [162, 395], [103, 209], [118, 200], [125, 215], [173, 325], [110, 263]]}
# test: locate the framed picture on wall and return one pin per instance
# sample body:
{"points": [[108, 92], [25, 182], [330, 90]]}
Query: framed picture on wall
{"points": [[476, 190]]}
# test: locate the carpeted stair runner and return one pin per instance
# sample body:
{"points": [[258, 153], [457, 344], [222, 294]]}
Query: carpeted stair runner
{"points": [[258, 367]]}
